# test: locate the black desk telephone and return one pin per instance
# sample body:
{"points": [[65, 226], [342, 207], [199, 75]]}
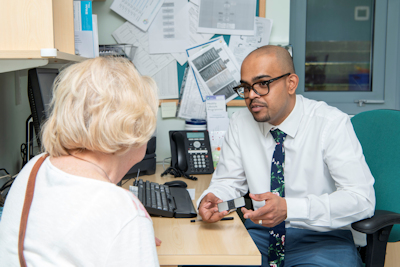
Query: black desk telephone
{"points": [[190, 153]]}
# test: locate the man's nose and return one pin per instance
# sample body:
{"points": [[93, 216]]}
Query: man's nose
{"points": [[252, 94]]}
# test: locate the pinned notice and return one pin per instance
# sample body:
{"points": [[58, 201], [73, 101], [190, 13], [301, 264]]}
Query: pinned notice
{"points": [[168, 109]]}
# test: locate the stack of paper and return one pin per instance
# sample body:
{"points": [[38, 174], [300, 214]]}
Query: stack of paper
{"points": [[191, 105], [217, 124], [85, 25], [217, 117], [95, 36]]}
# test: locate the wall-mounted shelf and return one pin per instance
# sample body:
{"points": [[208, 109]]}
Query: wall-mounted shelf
{"points": [[29, 26], [232, 103], [11, 60]]}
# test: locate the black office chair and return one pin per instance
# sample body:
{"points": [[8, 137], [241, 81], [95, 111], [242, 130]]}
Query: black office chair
{"points": [[379, 135]]}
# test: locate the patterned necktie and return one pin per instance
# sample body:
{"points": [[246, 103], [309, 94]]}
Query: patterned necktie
{"points": [[276, 250]]}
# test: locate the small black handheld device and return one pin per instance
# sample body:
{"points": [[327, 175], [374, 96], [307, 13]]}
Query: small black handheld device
{"points": [[231, 204]]}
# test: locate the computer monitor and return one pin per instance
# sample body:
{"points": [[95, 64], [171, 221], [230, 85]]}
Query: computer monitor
{"points": [[40, 85]]}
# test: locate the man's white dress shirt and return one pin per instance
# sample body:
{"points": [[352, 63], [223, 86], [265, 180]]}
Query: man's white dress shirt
{"points": [[328, 184]]}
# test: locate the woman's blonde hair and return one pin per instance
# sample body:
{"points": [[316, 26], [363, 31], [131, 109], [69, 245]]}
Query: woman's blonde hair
{"points": [[101, 104]]}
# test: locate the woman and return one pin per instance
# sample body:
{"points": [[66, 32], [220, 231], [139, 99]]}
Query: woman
{"points": [[102, 115]]}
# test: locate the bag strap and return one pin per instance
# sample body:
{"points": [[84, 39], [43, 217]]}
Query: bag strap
{"points": [[30, 188]]}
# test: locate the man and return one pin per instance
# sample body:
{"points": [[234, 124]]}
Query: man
{"points": [[320, 180]]}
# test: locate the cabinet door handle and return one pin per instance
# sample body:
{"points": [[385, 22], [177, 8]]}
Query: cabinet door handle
{"points": [[361, 102]]}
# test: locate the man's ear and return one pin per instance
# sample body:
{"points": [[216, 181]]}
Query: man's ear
{"points": [[293, 82]]}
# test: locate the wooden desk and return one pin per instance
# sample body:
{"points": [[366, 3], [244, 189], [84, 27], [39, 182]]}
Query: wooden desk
{"points": [[201, 243], [392, 254]]}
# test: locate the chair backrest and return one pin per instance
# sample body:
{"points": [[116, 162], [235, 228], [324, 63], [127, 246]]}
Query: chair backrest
{"points": [[379, 135]]}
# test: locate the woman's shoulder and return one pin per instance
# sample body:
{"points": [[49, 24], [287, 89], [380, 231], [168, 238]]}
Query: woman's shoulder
{"points": [[21, 179], [29, 165], [131, 202]]}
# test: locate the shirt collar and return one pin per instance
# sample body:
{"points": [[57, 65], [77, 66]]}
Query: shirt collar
{"points": [[291, 124]]}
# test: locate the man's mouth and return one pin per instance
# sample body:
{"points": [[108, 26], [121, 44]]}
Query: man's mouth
{"points": [[256, 107]]}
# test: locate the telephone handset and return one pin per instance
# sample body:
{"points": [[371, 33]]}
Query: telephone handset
{"points": [[191, 152], [181, 163]]}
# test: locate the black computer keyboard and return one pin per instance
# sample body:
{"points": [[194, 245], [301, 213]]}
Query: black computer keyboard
{"points": [[162, 200]]}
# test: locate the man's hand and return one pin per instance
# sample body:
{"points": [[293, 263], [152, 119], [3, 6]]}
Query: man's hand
{"points": [[158, 241], [208, 208], [272, 213]]}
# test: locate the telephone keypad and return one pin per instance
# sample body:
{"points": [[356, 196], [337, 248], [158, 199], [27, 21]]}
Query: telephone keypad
{"points": [[198, 155]]}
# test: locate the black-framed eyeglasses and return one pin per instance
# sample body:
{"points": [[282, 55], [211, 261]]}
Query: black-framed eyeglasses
{"points": [[260, 88]]}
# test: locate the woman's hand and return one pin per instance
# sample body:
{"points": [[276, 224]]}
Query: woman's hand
{"points": [[158, 242]]}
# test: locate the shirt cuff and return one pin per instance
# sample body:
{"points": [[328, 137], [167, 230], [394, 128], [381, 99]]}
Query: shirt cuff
{"points": [[297, 209]]}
